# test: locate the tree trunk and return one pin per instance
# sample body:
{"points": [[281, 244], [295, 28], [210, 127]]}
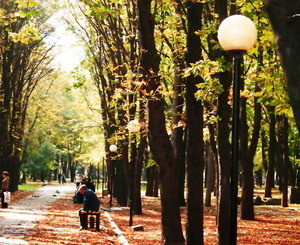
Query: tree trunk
{"points": [[224, 113], [247, 208], [156, 182], [213, 145], [247, 155], [137, 201], [180, 159], [178, 136], [210, 173], [120, 183], [6, 163], [159, 142], [177, 139], [223, 132], [271, 154], [150, 174], [284, 17], [195, 148], [285, 160]]}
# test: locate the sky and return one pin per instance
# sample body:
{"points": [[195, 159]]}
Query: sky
{"points": [[68, 52]]}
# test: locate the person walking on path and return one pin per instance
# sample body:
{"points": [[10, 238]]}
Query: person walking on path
{"points": [[63, 178], [90, 203], [59, 178], [4, 188]]}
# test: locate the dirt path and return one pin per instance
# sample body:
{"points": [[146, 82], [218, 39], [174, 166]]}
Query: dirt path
{"points": [[49, 216], [17, 220]]}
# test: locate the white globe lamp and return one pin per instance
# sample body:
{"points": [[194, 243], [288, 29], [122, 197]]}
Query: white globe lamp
{"points": [[113, 148], [133, 126], [237, 32]]}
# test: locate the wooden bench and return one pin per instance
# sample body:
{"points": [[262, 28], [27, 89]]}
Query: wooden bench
{"points": [[92, 220]]}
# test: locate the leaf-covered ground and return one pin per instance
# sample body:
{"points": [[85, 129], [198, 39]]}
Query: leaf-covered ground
{"points": [[273, 225], [61, 226]]}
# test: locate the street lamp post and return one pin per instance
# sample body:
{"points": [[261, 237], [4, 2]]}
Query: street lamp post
{"points": [[133, 126], [236, 34], [112, 148]]}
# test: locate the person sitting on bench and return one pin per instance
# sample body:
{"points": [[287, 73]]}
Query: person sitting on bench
{"points": [[90, 203]]}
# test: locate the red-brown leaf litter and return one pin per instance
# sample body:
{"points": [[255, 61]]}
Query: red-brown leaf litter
{"points": [[273, 224]]}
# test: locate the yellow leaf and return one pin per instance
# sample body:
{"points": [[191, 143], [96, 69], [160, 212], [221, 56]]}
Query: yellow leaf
{"points": [[27, 3]]}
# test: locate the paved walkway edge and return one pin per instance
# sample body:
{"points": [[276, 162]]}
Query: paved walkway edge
{"points": [[121, 239]]}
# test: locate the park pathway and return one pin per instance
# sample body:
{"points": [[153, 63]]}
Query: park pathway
{"points": [[20, 217]]}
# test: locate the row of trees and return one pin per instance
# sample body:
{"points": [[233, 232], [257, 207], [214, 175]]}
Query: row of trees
{"points": [[24, 62], [43, 129], [158, 62], [171, 75]]}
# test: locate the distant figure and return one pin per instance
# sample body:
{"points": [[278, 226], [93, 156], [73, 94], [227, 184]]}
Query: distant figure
{"points": [[59, 178], [63, 178], [90, 203], [4, 187]]}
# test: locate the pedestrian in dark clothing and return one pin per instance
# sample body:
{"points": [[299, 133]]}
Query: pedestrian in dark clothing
{"points": [[90, 203], [59, 178], [63, 178], [78, 197], [89, 183], [4, 188]]}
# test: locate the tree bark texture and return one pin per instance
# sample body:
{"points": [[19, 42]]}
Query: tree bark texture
{"points": [[285, 21], [247, 154], [210, 175], [120, 183], [150, 175], [223, 133], [178, 133], [194, 148], [284, 158], [15, 90], [159, 142], [137, 199], [271, 154]]}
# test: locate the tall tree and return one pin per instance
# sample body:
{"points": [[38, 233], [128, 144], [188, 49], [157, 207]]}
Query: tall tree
{"points": [[223, 132], [109, 28], [284, 17], [24, 62], [195, 147], [271, 153], [158, 137], [283, 157]]}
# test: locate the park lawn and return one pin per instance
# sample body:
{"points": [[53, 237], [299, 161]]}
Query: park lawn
{"points": [[29, 186], [24, 190]]}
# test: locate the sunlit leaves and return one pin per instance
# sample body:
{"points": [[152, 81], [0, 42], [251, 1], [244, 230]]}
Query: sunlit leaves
{"points": [[101, 11], [27, 34], [27, 3], [20, 22], [2, 13], [150, 163], [204, 68], [210, 88]]}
